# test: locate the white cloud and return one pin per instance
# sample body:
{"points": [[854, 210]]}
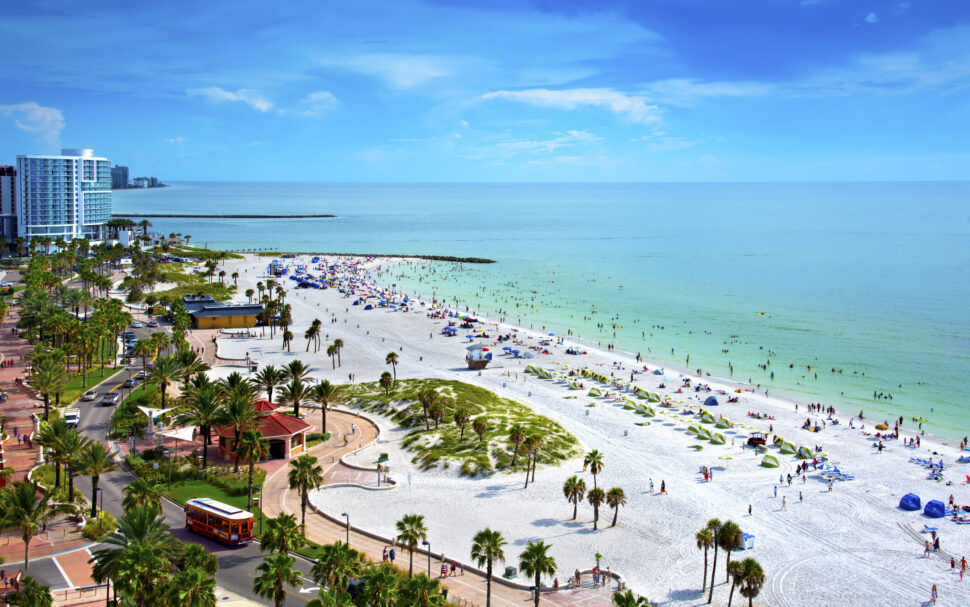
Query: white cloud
{"points": [[515, 147], [635, 108], [46, 123], [315, 104], [250, 97], [401, 71], [176, 140], [684, 91], [872, 18]]}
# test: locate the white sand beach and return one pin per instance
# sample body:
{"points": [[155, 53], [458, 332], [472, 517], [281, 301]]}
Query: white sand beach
{"points": [[851, 545]]}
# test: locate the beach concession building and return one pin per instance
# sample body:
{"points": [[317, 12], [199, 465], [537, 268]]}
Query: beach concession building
{"points": [[286, 434], [208, 313]]}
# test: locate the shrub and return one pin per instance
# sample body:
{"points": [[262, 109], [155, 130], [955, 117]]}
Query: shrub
{"points": [[108, 525]]}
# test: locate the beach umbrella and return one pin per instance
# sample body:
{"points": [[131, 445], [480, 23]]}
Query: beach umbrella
{"points": [[470, 336], [552, 335], [515, 351], [507, 348]]}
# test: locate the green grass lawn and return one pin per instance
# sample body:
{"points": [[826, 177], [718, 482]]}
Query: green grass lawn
{"points": [[218, 290], [183, 491], [444, 444], [74, 389]]}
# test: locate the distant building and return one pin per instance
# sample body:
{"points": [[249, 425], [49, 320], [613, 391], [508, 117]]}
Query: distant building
{"points": [[8, 204], [119, 177], [66, 196], [208, 313]]}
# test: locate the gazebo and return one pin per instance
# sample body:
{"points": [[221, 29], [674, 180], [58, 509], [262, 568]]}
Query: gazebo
{"points": [[286, 434]]}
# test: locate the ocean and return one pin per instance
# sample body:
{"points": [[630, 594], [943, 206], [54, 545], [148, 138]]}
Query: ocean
{"points": [[842, 291]]}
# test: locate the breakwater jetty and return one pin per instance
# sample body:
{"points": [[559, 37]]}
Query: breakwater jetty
{"points": [[218, 216]]}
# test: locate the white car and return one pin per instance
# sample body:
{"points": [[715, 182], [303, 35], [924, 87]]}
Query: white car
{"points": [[90, 395], [136, 325]]}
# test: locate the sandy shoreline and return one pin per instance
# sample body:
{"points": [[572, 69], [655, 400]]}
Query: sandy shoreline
{"points": [[848, 546]]}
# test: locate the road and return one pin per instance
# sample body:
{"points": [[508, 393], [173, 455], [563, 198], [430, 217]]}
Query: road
{"points": [[237, 565]]}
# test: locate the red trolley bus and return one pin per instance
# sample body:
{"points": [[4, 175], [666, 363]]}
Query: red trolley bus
{"points": [[222, 522]]}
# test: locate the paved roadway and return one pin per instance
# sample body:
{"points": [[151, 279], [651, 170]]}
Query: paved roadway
{"points": [[237, 565]]}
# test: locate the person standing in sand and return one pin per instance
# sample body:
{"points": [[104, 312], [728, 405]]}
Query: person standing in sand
{"points": [[933, 594]]}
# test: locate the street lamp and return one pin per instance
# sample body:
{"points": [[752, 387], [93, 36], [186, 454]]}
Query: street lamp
{"points": [[169, 469], [427, 545], [347, 516], [101, 507], [259, 490]]}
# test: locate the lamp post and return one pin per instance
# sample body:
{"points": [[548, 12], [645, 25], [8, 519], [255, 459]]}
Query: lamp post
{"points": [[427, 546], [347, 516], [169, 469], [100, 507], [259, 490]]}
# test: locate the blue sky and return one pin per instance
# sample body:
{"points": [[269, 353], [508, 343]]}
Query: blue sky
{"points": [[646, 90]]}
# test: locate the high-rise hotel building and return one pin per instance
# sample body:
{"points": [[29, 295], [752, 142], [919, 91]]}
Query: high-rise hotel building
{"points": [[8, 204], [66, 196]]}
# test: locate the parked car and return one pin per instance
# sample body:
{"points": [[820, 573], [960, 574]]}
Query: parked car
{"points": [[110, 399], [153, 323], [142, 374], [136, 325], [89, 395]]}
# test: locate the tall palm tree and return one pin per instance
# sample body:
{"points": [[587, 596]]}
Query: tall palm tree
{"points": [[287, 339], [252, 448], [166, 372], [536, 561], [295, 369], [332, 353], [275, 573], [30, 594], [615, 498], [336, 565], [268, 378], [304, 475], [427, 398], [729, 539], [53, 437], [339, 344], [411, 531], [705, 541], [754, 578], [596, 497], [239, 414], [736, 573], [282, 534], [386, 382], [294, 393], [714, 525], [535, 448], [73, 445], [594, 461], [191, 364], [574, 489], [144, 349], [20, 510], [486, 550], [380, 585], [325, 394], [517, 434], [461, 417], [392, 359], [95, 461], [202, 409], [192, 587], [143, 492], [628, 599], [49, 377]]}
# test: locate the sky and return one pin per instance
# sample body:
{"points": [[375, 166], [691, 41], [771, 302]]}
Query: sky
{"points": [[494, 91]]}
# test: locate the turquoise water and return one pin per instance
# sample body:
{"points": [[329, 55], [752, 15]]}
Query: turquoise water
{"points": [[869, 279]]}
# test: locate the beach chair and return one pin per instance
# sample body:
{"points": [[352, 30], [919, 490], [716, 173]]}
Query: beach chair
{"points": [[928, 529]]}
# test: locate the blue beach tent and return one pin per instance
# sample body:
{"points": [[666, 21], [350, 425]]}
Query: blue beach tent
{"points": [[710, 401], [910, 501], [935, 509]]}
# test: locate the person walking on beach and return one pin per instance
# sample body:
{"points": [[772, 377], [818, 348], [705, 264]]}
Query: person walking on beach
{"points": [[749, 509], [933, 594], [963, 567], [651, 485], [784, 503], [663, 487], [926, 549], [776, 490]]}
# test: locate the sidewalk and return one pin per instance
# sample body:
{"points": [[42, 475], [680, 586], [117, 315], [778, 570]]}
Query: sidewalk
{"points": [[467, 589]]}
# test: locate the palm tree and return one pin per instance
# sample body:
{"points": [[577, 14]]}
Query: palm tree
{"points": [[202, 410], [95, 460], [49, 377], [729, 539], [714, 525], [252, 447], [53, 436], [21, 511], [754, 578], [339, 344], [332, 598], [486, 549], [167, 371], [268, 378], [380, 585], [144, 224], [628, 599], [235, 279], [461, 417], [73, 445], [249, 295], [239, 414], [144, 348], [420, 591], [332, 353], [31, 594], [410, 531], [736, 573], [480, 427], [387, 382], [705, 541], [516, 436], [336, 564], [392, 359], [192, 587], [574, 489], [615, 498], [594, 461], [287, 338], [282, 534], [535, 560], [295, 393], [296, 370], [143, 492], [191, 365], [596, 497], [275, 573], [305, 475], [325, 394]]}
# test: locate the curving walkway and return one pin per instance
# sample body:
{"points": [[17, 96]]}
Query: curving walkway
{"points": [[466, 590]]}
